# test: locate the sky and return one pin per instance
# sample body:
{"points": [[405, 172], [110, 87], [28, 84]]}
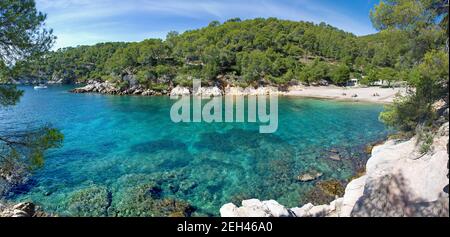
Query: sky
{"points": [[87, 22]]}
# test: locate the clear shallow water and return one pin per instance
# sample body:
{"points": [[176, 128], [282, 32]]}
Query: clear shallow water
{"points": [[117, 143]]}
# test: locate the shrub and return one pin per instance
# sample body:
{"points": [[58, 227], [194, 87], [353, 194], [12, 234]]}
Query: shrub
{"points": [[406, 113]]}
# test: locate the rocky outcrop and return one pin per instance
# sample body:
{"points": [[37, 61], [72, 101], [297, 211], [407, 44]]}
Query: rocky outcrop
{"points": [[399, 181], [271, 208], [234, 91], [255, 208], [251, 90], [23, 209], [100, 87], [180, 91], [110, 88], [208, 91], [57, 80], [261, 90]]}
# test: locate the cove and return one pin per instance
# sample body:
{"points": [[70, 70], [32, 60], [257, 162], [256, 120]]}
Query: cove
{"points": [[123, 155]]}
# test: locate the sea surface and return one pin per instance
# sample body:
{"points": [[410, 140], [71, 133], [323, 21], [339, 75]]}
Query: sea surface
{"points": [[114, 144]]}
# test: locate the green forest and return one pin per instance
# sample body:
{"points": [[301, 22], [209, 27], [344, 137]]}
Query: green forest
{"points": [[247, 53]]}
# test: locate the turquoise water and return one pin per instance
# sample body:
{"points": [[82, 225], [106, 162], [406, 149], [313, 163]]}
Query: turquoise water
{"points": [[116, 143]]}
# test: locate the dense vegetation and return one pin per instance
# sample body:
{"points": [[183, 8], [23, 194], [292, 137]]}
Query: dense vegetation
{"points": [[252, 52], [423, 60], [22, 37]]}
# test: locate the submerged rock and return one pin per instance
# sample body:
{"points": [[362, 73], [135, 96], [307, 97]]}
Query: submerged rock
{"points": [[323, 192], [396, 183], [334, 150], [91, 201], [335, 157], [141, 201], [331, 187], [309, 176]]}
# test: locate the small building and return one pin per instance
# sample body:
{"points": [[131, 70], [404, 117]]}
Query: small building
{"points": [[353, 82], [379, 83]]}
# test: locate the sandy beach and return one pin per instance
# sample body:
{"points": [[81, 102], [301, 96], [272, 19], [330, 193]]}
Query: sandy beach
{"points": [[364, 94]]}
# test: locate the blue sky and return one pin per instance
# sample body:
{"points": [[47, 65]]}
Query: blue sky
{"points": [[86, 22]]}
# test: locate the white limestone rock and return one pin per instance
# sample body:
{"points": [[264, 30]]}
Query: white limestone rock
{"points": [[275, 209], [228, 210], [180, 91], [302, 211], [353, 191], [208, 91], [254, 208], [234, 91]]}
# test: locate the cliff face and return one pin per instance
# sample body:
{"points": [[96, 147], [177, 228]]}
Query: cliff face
{"points": [[399, 181]]}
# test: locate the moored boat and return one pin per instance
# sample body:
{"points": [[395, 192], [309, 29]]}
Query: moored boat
{"points": [[40, 86]]}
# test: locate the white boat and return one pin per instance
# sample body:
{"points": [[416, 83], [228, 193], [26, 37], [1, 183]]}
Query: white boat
{"points": [[40, 87]]}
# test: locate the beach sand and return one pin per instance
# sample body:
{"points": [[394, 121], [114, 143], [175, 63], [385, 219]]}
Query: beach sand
{"points": [[364, 94]]}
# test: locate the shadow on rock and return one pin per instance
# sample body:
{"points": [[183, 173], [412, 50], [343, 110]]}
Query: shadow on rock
{"points": [[389, 196]]}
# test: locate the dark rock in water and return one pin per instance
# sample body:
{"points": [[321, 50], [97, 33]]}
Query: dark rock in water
{"points": [[91, 201], [154, 191], [174, 208], [137, 203], [324, 192], [48, 192], [309, 176], [332, 187], [334, 150], [335, 157], [174, 188], [186, 186]]}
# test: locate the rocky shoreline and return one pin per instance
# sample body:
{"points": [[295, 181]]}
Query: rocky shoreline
{"points": [[355, 94], [23, 209], [111, 89], [398, 181]]}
